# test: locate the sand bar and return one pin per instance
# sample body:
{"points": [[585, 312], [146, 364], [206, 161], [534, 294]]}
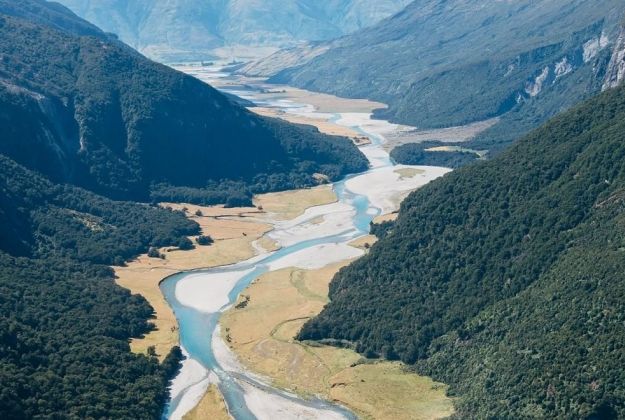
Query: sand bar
{"points": [[375, 184]]}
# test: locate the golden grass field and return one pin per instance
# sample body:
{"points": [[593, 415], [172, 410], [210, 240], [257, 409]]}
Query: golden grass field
{"points": [[365, 242], [234, 230], [210, 407], [262, 335], [323, 125], [390, 217], [289, 205]]}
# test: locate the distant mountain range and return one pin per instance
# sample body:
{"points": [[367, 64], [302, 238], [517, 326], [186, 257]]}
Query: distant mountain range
{"points": [[199, 29], [447, 63]]}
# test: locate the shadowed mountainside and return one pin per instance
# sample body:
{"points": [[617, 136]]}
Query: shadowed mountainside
{"points": [[103, 117]]}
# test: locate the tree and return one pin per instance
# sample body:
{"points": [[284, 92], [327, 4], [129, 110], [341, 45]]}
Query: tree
{"points": [[154, 252], [204, 240], [185, 244]]}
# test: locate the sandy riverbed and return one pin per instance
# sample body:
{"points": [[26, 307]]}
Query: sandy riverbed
{"points": [[375, 184]]}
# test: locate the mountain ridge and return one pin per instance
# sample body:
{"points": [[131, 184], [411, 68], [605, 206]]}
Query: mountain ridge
{"points": [[443, 64], [192, 29], [104, 117]]}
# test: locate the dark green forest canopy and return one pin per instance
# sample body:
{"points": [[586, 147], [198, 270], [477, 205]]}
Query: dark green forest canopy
{"points": [[64, 324], [505, 279], [420, 154], [103, 117]]}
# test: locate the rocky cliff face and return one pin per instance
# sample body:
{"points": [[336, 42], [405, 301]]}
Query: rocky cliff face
{"points": [[616, 69]]}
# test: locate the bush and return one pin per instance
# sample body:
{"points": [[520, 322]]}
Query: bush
{"points": [[154, 253]]}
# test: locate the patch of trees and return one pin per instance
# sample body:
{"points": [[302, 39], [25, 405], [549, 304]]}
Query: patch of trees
{"points": [[505, 279], [418, 154], [204, 240]]}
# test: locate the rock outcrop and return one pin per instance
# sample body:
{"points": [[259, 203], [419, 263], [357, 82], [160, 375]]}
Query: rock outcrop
{"points": [[616, 69]]}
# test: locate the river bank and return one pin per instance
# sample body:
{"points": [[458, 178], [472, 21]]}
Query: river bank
{"points": [[260, 329]]}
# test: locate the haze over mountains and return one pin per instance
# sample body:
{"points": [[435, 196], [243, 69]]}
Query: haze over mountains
{"points": [[179, 29]]}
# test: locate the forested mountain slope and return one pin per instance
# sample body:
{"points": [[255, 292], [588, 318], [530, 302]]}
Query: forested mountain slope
{"points": [[195, 29], [91, 111], [64, 324], [506, 279], [446, 63]]}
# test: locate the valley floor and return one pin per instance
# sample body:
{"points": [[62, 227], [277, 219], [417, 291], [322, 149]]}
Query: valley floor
{"points": [[254, 342], [238, 234]]}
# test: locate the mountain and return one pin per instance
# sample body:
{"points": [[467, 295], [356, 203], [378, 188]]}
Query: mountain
{"points": [[101, 116], [506, 279], [64, 324], [616, 68], [194, 29], [448, 63]]}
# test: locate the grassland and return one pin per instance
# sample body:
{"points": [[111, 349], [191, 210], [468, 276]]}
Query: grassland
{"points": [[288, 205], [211, 407], [390, 217], [365, 242], [262, 335]]}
